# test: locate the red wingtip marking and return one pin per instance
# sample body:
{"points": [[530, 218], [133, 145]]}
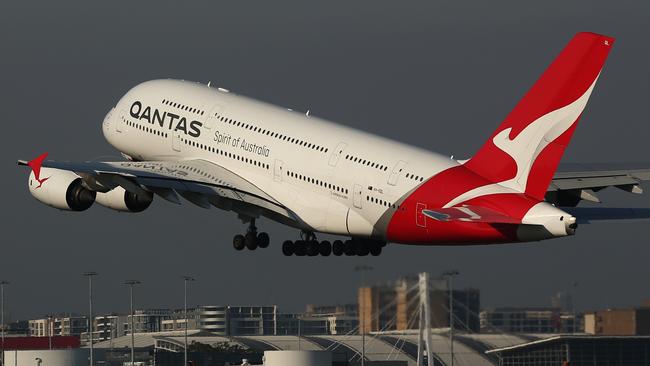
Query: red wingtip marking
{"points": [[35, 164]]}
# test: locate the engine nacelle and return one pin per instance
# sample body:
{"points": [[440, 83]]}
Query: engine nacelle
{"points": [[122, 200], [61, 189]]}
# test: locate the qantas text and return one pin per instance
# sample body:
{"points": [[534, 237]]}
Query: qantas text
{"points": [[171, 121]]}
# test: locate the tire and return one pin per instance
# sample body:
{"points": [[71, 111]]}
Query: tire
{"points": [[312, 248], [337, 248], [325, 248], [263, 240], [363, 249], [375, 250], [299, 248], [288, 248], [238, 242], [348, 248], [251, 241]]}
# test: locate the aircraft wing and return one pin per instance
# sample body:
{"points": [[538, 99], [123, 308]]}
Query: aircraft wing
{"points": [[199, 181], [587, 215], [575, 182]]}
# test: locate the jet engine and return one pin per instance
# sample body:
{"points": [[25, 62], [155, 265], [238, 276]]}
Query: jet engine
{"points": [[61, 189], [120, 199]]}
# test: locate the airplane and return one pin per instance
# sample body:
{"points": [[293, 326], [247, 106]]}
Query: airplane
{"points": [[215, 148]]}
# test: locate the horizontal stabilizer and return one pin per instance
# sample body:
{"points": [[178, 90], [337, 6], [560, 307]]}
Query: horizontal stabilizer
{"points": [[468, 213], [586, 215]]}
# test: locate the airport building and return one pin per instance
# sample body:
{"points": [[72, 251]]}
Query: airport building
{"points": [[393, 349], [618, 322], [394, 306], [217, 320], [351, 310], [529, 320], [575, 350], [58, 326], [106, 327], [252, 320], [338, 319], [384, 349], [18, 328]]}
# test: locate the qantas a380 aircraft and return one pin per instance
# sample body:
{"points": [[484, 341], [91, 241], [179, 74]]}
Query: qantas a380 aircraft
{"points": [[214, 148]]}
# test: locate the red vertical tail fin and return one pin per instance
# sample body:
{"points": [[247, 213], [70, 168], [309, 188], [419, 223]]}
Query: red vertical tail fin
{"points": [[524, 152]]}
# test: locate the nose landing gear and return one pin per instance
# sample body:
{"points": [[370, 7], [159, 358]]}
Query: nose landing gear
{"points": [[252, 239]]}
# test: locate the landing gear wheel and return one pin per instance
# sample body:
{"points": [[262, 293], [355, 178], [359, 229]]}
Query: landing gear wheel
{"points": [[362, 249], [337, 248], [348, 248], [288, 248], [251, 241], [239, 242], [263, 240], [299, 248], [312, 248], [375, 250], [325, 248]]}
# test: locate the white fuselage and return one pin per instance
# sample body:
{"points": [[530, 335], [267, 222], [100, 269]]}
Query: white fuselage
{"points": [[334, 178]]}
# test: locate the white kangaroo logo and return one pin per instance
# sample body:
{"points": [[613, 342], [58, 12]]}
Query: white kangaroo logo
{"points": [[527, 145]]}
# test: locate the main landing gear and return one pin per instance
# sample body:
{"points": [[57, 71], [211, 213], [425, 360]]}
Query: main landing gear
{"points": [[251, 240], [309, 246]]}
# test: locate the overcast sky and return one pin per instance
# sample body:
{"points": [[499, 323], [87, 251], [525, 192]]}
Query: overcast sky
{"points": [[437, 74]]}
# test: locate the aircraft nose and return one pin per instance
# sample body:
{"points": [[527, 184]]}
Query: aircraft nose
{"points": [[106, 124]]}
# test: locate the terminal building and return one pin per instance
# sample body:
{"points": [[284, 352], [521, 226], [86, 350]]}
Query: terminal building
{"points": [[381, 349], [392, 349], [529, 320]]}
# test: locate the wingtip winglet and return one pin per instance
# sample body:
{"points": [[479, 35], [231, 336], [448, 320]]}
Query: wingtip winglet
{"points": [[35, 164]]}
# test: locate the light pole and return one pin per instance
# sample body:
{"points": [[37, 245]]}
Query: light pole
{"points": [[49, 331], [132, 283], [450, 274], [2, 320], [363, 269], [299, 332], [186, 279], [90, 276], [573, 308]]}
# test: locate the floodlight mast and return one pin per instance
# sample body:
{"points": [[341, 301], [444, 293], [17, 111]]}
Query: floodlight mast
{"points": [[132, 283], [186, 279], [90, 276], [449, 274]]}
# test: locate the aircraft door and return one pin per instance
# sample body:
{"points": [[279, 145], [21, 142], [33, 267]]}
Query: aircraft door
{"points": [[176, 140], [278, 170], [397, 171], [119, 121], [336, 154], [420, 219], [213, 116], [358, 192]]}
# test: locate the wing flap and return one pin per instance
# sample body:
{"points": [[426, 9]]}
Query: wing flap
{"points": [[573, 182], [595, 176]]}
